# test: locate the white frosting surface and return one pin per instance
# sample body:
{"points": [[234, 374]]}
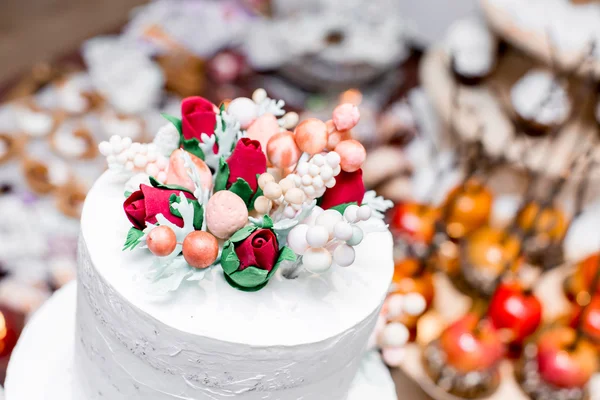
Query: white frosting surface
{"points": [[276, 315], [572, 27], [537, 96], [473, 47], [51, 332]]}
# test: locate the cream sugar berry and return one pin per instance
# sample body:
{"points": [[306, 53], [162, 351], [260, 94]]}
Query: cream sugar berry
{"points": [[206, 254]]}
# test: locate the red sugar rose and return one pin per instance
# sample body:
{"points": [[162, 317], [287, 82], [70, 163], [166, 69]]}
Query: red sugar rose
{"points": [[259, 250], [349, 188], [246, 161], [141, 207]]}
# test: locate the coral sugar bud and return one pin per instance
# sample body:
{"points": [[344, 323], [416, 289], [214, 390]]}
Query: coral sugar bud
{"points": [[161, 241], [346, 116], [311, 136], [352, 155], [200, 249], [282, 150]]}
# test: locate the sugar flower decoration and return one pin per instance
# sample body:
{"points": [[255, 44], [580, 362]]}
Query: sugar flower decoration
{"points": [[244, 188]]}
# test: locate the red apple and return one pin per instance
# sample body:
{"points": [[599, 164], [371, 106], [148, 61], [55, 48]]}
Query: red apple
{"points": [[472, 344], [414, 222], [589, 318], [516, 310], [562, 361]]}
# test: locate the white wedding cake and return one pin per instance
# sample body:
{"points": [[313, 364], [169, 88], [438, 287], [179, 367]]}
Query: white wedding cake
{"points": [[207, 300]]}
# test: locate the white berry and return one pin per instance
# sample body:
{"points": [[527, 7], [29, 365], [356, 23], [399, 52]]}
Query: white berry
{"points": [[105, 148], [313, 170], [294, 196], [344, 255], [328, 219], [342, 231], [330, 183], [272, 191], [306, 180], [317, 236], [317, 260], [357, 236], [259, 95], [414, 304], [333, 159], [244, 110], [351, 213], [395, 306], [302, 168], [318, 160], [289, 212], [317, 182], [364, 213], [296, 239], [326, 172], [395, 335]]}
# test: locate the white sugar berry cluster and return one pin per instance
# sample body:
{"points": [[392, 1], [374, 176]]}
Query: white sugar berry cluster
{"points": [[284, 197], [391, 335], [123, 155], [330, 239], [316, 175]]}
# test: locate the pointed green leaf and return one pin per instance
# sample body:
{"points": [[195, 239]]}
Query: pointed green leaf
{"points": [[198, 215], [133, 239], [159, 185], [175, 121], [342, 207], [267, 222], [192, 146], [229, 260], [127, 193], [242, 233], [222, 176], [242, 189], [173, 198]]}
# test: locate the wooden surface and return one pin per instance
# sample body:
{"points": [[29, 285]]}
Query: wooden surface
{"points": [[41, 30], [38, 30]]}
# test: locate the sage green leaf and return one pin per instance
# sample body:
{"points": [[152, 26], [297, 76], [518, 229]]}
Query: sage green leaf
{"points": [[159, 185], [128, 193], [175, 121], [133, 239], [267, 222], [242, 189], [198, 215], [222, 176], [192, 146], [233, 284], [250, 277], [242, 233], [229, 260], [342, 207], [259, 192]]}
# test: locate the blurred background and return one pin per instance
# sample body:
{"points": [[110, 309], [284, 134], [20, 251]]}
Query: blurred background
{"points": [[481, 122]]}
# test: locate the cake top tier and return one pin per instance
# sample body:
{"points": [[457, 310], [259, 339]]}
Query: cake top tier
{"points": [[214, 228]]}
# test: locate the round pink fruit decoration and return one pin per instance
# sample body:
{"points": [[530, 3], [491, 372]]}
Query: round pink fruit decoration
{"points": [[346, 116], [265, 127], [311, 136], [352, 154], [282, 150], [226, 213], [178, 175]]}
